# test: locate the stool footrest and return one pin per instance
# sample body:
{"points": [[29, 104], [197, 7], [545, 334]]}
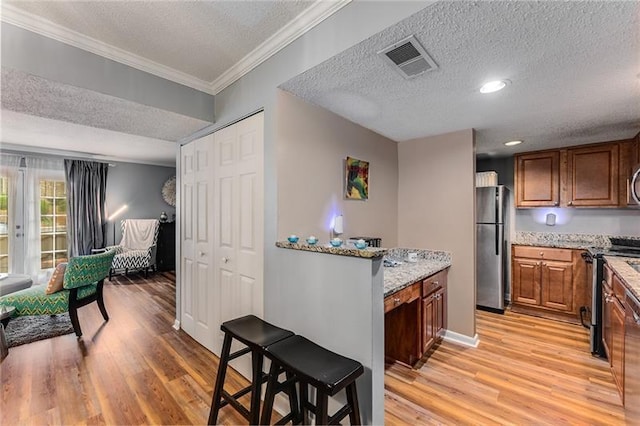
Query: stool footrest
{"points": [[339, 415], [229, 399], [239, 353], [286, 419]]}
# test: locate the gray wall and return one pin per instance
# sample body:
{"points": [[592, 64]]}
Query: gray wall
{"points": [[139, 186], [258, 89], [54, 60], [569, 220]]}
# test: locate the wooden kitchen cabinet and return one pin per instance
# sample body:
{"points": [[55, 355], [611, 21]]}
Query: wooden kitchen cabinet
{"points": [[416, 319], [403, 325], [549, 282], [434, 310], [613, 331], [593, 176], [538, 179], [586, 176]]}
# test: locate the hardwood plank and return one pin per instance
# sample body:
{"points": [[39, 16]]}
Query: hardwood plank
{"points": [[136, 369], [526, 370]]}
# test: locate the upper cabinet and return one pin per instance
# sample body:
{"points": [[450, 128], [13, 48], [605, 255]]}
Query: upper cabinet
{"points": [[538, 179], [586, 176], [592, 176]]}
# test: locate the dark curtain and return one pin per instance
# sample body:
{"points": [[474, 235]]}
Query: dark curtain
{"points": [[86, 195]]}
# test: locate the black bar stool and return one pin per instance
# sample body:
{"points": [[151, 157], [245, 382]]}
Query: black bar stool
{"points": [[257, 335], [313, 365]]}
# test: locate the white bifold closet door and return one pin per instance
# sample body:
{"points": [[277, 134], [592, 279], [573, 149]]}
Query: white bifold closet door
{"points": [[222, 258]]}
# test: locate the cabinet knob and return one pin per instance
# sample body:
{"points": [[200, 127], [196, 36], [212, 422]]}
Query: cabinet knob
{"points": [[436, 283], [541, 254], [556, 203], [570, 203], [396, 300], [201, 253], [225, 259]]}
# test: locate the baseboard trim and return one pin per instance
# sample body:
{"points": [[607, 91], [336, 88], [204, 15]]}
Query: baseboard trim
{"points": [[462, 339], [176, 324]]}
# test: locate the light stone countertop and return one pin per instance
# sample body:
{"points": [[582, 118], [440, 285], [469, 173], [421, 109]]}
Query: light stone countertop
{"points": [[398, 277], [557, 240], [344, 250], [630, 277]]}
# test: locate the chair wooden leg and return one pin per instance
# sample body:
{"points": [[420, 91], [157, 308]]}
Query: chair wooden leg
{"points": [[110, 273], [73, 314], [222, 371], [304, 401], [322, 408], [146, 272], [269, 395], [103, 309], [352, 399], [256, 384]]}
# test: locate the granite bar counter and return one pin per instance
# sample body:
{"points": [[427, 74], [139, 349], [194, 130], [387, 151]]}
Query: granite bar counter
{"points": [[398, 277], [344, 250]]}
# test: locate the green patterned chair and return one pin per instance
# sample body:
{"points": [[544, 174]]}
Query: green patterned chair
{"points": [[82, 284]]}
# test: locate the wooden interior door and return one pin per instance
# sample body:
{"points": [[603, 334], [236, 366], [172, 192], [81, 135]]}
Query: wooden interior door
{"points": [[238, 220], [197, 241], [187, 245]]}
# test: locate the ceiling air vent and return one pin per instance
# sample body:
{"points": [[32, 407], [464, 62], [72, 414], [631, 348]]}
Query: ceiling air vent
{"points": [[408, 57]]}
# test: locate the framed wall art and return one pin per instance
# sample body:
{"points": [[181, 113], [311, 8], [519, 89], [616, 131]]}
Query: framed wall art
{"points": [[357, 179]]}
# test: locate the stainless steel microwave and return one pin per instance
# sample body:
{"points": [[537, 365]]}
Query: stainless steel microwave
{"points": [[634, 187]]}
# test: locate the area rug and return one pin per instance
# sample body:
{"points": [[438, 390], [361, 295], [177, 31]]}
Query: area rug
{"points": [[22, 330]]}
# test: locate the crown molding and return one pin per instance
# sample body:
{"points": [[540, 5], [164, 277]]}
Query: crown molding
{"points": [[309, 18], [15, 16], [305, 21]]}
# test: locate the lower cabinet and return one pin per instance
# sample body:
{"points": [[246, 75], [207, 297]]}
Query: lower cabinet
{"points": [[613, 299], [416, 319], [549, 282]]}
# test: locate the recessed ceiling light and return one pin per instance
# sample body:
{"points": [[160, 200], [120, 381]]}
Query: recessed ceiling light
{"points": [[512, 143], [493, 86]]}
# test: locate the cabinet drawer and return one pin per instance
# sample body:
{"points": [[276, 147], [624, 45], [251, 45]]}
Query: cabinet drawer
{"points": [[563, 255], [406, 295], [434, 282]]}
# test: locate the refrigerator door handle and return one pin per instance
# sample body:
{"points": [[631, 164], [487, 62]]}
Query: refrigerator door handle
{"points": [[498, 239]]}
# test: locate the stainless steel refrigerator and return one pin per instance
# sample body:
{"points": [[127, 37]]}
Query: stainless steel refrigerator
{"points": [[491, 247]]}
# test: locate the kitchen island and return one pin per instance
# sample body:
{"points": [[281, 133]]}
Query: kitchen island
{"points": [[335, 297]]}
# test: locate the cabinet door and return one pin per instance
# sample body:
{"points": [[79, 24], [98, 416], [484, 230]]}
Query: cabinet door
{"points": [[593, 176], [607, 301], [538, 179], [557, 285], [428, 322], [617, 345], [440, 313], [526, 281]]}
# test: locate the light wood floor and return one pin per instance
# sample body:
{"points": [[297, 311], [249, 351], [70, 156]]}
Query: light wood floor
{"points": [[136, 369]]}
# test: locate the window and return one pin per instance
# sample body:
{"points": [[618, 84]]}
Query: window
{"points": [[4, 224], [53, 223]]}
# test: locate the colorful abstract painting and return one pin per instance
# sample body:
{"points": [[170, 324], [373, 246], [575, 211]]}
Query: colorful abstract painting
{"points": [[357, 175]]}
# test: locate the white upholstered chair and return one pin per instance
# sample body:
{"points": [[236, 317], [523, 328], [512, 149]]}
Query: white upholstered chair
{"points": [[137, 249]]}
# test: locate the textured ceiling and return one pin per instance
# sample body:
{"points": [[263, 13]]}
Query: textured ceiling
{"points": [[199, 38], [29, 94], [574, 69], [28, 132]]}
